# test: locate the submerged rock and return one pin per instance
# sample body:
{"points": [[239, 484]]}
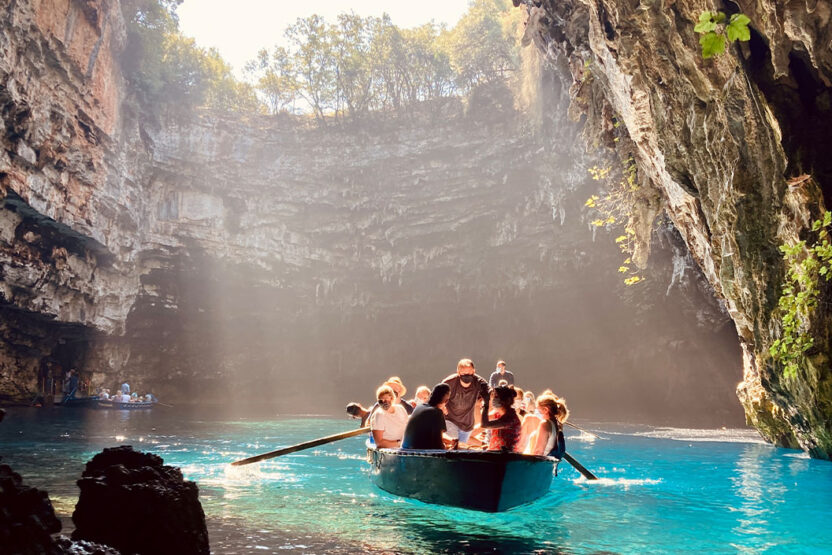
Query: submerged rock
{"points": [[81, 547], [134, 502]]}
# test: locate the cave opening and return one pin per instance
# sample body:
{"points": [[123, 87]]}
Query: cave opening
{"points": [[802, 105]]}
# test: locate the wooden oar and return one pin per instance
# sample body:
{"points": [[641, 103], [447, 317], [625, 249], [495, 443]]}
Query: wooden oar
{"points": [[579, 467], [301, 446], [582, 430]]}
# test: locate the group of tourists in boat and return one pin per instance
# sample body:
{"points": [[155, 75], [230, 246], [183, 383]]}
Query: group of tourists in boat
{"points": [[465, 411], [71, 390], [70, 387], [123, 395]]}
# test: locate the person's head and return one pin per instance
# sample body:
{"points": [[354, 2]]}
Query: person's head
{"points": [[548, 406], [503, 396], [501, 366], [553, 408], [518, 402], [397, 386], [528, 400], [385, 396], [422, 394], [548, 392], [465, 369], [440, 395]]}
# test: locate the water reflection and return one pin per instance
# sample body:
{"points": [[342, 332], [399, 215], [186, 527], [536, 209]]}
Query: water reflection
{"points": [[757, 484]]}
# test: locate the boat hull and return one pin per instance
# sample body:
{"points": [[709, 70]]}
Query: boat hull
{"points": [[80, 402], [481, 481], [118, 405]]}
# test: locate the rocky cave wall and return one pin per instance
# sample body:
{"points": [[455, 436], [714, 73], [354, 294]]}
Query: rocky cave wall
{"points": [[726, 143], [355, 254], [70, 227], [223, 258]]}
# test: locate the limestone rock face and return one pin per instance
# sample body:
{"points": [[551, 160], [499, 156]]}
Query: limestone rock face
{"points": [[724, 141], [70, 227], [133, 502]]}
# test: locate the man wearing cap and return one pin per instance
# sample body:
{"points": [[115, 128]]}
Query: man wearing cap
{"points": [[500, 374], [466, 388]]}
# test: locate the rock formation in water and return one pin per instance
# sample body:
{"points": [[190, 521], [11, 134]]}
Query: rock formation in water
{"points": [[737, 148], [27, 519], [134, 502]]}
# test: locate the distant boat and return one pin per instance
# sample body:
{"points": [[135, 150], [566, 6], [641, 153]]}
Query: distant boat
{"points": [[478, 480], [119, 405], [80, 402]]}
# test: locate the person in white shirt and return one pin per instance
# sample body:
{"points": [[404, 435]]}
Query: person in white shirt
{"points": [[389, 420]]}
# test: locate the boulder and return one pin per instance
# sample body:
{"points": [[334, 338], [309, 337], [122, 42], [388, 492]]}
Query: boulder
{"points": [[137, 504], [27, 519]]}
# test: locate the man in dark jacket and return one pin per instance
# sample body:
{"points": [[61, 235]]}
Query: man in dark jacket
{"points": [[500, 374], [466, 388]]}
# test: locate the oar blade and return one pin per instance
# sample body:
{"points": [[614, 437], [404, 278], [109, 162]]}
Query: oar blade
{"points": [[300, 447], [579, 467]]}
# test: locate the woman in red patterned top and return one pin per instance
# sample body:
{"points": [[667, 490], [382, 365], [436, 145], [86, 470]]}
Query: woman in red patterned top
{"points": [[506, 426]]}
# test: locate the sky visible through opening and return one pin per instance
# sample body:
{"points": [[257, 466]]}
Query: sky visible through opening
{"points": [[239, 29]]}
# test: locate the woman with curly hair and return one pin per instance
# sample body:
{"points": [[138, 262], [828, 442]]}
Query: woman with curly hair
{"points": [[505, 428]]}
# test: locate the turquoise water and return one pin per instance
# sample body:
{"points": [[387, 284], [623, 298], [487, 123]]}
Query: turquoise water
{"points": [[662, 490]]}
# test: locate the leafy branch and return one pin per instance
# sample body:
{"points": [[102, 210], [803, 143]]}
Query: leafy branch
{"points": [[716, 32], [806, 263], [616, 206]]}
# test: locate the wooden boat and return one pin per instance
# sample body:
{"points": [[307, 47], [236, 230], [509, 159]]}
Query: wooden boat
{"points": [[80, 402], [477, 480], [118, 405]]}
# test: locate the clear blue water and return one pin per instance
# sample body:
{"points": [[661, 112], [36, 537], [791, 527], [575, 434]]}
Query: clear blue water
{"points": [[662, 490]]}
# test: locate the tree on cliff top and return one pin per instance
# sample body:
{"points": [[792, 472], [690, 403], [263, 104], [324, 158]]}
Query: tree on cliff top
{"points": [[479, 49], [169, 71], [350, 68], [364, 64]]}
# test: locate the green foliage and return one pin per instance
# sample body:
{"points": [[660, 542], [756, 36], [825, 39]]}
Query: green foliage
{"points": [[347, 68], [806, 263], [168, 71], [479, 49], [363, 64], [712, 44], [716, 32], [616, 206], [737, 28]]}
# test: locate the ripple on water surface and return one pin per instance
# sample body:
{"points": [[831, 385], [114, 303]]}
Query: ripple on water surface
{"points": [[661, 489]]}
